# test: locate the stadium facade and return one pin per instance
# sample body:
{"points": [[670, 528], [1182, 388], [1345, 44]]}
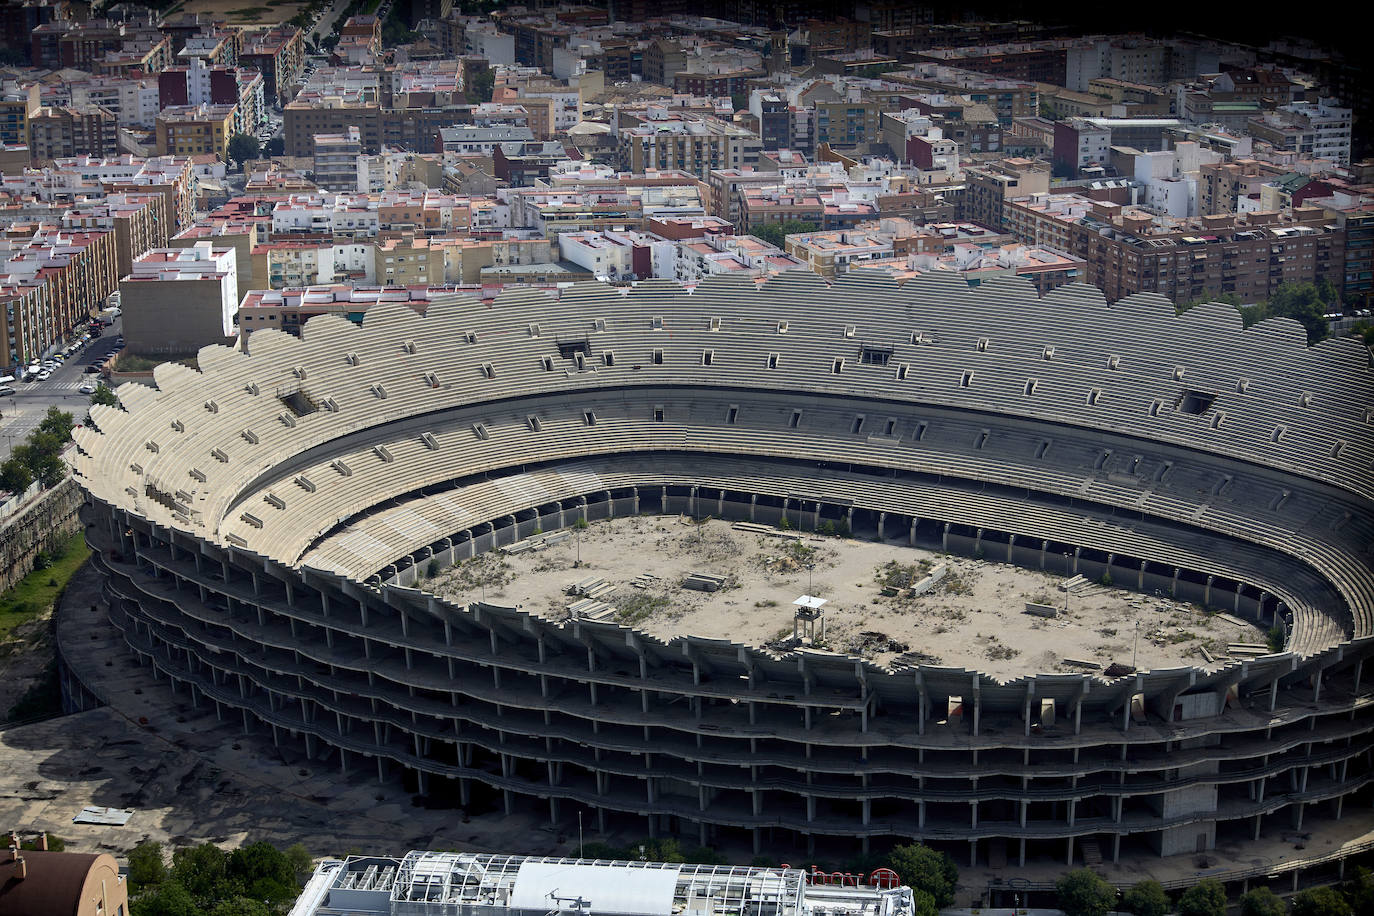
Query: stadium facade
{"points": [[263, 525]]}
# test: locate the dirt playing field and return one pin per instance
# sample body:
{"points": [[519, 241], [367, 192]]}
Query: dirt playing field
{"points": [[975, 616], [246, 12]]}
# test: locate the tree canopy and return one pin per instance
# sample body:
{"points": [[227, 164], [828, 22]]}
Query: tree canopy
{"points": [[1261, 901], [1321, 901], [1083, 892], [105, 395], [776, 234], [39, 456], [1146, 898], [243, 147], [927, 870], [254, 880], [1306, 303], [1206, 898]]}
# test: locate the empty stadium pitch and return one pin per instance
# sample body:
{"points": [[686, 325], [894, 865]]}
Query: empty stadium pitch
{"points": [[277, 528]]}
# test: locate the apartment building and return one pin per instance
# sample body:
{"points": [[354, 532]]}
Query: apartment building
{"points": [[62, 131], [279, 55], [695, 146], [180, 299], [285, 263], [196, 130], [138, 221], [76, 269], [625, 255], [849, 123], [1222, 185], [1008, 99], [336, 160], [18, 103], [134, 101], [988, 186], [1130, 250], [1317, 130]]}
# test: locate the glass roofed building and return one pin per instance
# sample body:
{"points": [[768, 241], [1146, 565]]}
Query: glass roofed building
{"points": [[469, 884]]}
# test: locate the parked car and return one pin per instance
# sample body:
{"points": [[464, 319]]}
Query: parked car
{"points": [[92, 369], [87, 388]]}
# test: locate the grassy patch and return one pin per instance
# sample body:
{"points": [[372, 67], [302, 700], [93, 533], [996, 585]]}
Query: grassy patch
{"points": [[37, 592], [134, 362], [640, 607]]}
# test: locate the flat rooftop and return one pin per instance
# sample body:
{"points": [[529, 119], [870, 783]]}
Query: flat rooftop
{"points": [[975, 617]]}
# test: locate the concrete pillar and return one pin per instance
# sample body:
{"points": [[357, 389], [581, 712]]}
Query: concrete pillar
{"points": [[911, 535], [610, 505], [663, 501], [816, 516], [944, 540], [692, 501], [786, 501], [1077, 552], [753, 505], [635, 496], [1011, 544], [849, 519], [1044, 549], [1173, 586], [882, 523], [1207, 592], [720, 504], [1140, 579]]}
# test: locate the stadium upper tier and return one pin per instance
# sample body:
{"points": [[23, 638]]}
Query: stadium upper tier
{"points": [[1122, 428]]}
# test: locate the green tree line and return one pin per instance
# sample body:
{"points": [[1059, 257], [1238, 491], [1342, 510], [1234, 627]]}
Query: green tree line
{"points": [[1306, 303], [254, 880], [39, 456]]}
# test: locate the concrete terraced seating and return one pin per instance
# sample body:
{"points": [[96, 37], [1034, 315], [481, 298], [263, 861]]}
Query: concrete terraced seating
{"points": [[1187, 420]]}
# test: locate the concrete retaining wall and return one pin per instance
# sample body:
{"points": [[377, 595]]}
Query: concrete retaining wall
{"points": [[39, 526]]}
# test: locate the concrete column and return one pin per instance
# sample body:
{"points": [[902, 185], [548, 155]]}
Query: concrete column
{"points": [[1077, 552], [816, 516], [635, 493], [849, 519], [1173, 586], [1044, 549], [610, 504], [720, 504], [786, 501], [944, 540], [882, 523], [1207, 592], [1140, 579], [978, 541], [663, 501], [692, 501], [1011, 543], [753, 505], [911, 535]]}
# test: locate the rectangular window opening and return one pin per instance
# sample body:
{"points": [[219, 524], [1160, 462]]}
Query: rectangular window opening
{"points": [[658, 357], [795, 420], [858, 425], [875, 356], [732, 414], [1195, 403]]}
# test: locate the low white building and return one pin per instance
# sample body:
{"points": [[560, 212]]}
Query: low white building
{"points": [[619, 255]]}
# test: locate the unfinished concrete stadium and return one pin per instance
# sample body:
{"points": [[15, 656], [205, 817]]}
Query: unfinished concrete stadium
{"points": [[266, 526]]}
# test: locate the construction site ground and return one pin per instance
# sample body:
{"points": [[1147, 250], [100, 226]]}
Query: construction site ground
{"points": [[975, 617]]}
